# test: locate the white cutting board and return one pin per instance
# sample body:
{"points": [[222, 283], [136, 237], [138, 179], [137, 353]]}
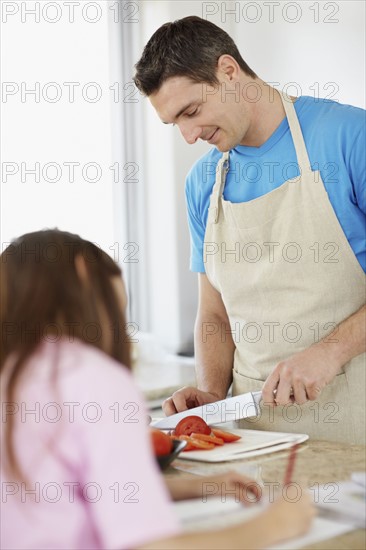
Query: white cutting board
{"points": [[252, 443]]}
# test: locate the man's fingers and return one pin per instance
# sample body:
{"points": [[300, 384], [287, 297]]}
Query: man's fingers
{"points": [[168, 407], [181, 400], [268, 391], [186, 398], [300, 396], [283, 393], [313, 390]]}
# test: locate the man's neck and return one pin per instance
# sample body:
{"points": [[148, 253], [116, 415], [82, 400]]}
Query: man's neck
{"points": [[266, 115]]}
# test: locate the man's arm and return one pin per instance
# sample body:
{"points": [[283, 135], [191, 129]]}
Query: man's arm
{"points": [[214, 346], [306, 373], [214, 351]]}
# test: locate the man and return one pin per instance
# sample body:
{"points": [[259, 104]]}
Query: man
{"points": [[277, 218]]}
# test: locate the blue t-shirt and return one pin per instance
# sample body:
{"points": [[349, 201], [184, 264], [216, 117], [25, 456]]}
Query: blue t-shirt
{"points": [[335, 138]]}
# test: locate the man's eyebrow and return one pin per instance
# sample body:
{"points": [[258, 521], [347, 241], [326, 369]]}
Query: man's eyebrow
{"points": [[181, 111]]}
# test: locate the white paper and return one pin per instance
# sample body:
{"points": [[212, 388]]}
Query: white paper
{"points": [[359, 478], [196, 515], [214, 512], [343, 500]]}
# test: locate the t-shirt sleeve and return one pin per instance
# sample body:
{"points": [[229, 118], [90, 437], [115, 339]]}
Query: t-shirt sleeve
{"points": [[196, 230], [357, 167], [129, 504], [199, 185]]}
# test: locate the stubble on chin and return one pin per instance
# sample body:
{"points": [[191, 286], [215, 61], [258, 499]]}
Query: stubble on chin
{"points": [[225, 146]]}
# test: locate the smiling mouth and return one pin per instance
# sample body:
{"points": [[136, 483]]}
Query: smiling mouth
{"points": [[212, 136]]}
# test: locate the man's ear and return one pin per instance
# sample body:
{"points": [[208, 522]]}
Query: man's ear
{"points": [[81, 270], [228, 66]]}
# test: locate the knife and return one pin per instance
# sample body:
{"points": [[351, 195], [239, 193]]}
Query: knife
{"points": [[233, 408]]}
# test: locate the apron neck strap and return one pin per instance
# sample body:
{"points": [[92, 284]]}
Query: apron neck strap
{"points": [[222, 169], [299, 144], [296, 133]]}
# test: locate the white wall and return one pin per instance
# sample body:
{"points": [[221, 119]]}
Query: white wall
{"points": [[173, 289], [317, 46], [37, 130]]}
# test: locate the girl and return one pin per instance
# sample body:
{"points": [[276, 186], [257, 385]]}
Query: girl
{"points": [[78, 469]]}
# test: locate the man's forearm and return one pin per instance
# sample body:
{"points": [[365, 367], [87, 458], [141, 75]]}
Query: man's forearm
{"points": [[214, 352], [348, 339]]}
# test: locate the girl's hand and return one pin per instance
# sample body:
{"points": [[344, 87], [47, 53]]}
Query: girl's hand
{"points": [[289, 519], [231, 485], [228, 485]]}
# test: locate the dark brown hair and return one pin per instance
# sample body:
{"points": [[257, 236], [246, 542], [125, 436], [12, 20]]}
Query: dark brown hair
{"points": [[187, 47], [42, 298]]}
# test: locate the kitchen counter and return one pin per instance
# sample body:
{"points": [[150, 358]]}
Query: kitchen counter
{"points": [[317, 462], [159, 379]]}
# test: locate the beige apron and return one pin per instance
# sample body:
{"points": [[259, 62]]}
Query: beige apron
{"points": [[287, 275]]}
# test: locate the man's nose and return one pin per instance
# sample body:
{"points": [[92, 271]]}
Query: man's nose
{"points": [[190, 132]]}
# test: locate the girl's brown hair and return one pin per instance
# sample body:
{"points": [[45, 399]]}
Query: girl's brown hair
{"points": [[43, 298]]}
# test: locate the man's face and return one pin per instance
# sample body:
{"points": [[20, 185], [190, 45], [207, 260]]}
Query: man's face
{"points": [[216, 115]]}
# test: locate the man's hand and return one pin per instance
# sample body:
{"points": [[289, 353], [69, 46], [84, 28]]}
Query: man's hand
{"points": [[187, 398], [301, 377], [304, 375]]}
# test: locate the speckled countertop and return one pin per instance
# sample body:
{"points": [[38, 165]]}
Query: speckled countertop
{"points": [[317, 462]]}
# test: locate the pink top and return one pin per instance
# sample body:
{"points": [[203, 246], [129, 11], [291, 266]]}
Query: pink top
{"points": [[84, 448]]}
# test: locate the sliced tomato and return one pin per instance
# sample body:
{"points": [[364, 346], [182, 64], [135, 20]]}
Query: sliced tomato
{"points": [[189, 447], [162, 443], [208, 438], [196, 443], [191, 424], [186, 438], [226, 436]]}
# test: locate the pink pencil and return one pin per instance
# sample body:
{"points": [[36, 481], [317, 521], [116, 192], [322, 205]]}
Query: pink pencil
{"points": [[290, 464]]}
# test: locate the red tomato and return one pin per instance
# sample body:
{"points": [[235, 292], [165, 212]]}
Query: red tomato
{"points": [[162, 443], [226, 436], [196, 444], [191, 424], [208, 438], [188, 447]]}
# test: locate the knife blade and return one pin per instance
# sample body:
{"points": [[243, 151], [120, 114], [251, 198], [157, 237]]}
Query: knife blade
{"points": [[233, 408]]}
